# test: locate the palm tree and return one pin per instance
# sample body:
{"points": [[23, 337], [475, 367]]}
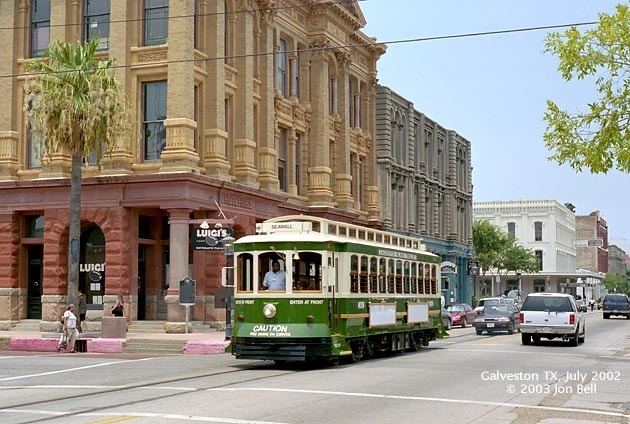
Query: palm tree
{"points": [[78, 107]]}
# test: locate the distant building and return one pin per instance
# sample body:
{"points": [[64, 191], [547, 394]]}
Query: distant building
{"points": [[591, 233], [617, 260], [548, 229], [425, 186]]}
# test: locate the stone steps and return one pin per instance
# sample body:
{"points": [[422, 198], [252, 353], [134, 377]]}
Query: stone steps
{"points": [[26, 325]]}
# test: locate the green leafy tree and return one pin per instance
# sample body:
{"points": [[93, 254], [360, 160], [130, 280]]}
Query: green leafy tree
{"points": [[498, 253], [598, 138], [617, 283], [79, 108]]}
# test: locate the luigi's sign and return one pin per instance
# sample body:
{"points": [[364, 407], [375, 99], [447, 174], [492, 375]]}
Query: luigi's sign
{"points": [[211, 238]]}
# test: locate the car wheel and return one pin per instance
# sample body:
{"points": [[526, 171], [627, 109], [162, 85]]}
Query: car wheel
{"points": [[526, 339], [606, 316], [583, 336], [535, 339], [628, 316], [479, 332], [511, 329], [575, 340], [464, 323]]}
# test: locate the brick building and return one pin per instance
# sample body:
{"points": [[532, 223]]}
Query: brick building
{"points": [[236, 106], [591, 234]]}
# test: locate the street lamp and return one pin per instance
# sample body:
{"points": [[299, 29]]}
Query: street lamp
{"points": [[518, 275]]}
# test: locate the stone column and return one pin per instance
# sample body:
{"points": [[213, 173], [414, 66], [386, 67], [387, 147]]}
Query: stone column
{"points": [[9, 270], [267, 156], [120, 42], [320, 174], [180, 154], [245, 169], [215, 135], [372, 207], [343, 176], [9, 93], [178, 268], [291, 162]]}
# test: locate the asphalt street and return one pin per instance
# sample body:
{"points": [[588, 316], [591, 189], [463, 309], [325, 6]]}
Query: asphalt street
{"points": [[461, 379]]}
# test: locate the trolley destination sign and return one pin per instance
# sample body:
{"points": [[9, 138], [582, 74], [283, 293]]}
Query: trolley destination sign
{"points": [[397, 254]]}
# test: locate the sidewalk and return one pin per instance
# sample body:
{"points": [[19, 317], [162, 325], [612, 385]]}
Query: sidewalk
{"points": [[202, 343]]}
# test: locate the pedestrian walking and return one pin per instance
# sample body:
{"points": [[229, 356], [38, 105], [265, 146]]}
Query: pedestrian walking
{"points": [[69, 329], [82, 311]]}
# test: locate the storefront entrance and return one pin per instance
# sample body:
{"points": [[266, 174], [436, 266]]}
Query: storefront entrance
{"points": [[35, 255]]}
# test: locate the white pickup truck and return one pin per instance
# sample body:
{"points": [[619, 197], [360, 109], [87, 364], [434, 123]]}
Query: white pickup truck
{"points": [[550, 316]]}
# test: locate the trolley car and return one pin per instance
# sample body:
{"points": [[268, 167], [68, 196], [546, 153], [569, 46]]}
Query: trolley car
{"points": [[350, 291]]}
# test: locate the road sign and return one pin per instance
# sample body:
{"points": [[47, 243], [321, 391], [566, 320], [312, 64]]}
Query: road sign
{"points": [[187, 291]]}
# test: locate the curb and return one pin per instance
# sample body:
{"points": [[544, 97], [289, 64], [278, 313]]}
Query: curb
{"points": [[105, 345]]}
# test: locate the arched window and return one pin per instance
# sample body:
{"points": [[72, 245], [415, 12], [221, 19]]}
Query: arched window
{"points": [[92, 265]]}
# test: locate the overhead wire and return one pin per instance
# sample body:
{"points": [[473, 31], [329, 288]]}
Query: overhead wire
{"points": [[345, 46]]}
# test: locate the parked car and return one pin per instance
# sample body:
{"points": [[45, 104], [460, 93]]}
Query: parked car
{"points": [[581, 305], [550, 316], [486, 301], [447, 321], [616, 304], [461, 314], [497, 317]]}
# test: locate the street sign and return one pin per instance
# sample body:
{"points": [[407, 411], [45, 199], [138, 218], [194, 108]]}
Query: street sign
{"points": [[187, 291], [210, 238], [472, 268]]}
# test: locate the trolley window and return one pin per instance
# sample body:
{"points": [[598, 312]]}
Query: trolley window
{"points": [[382, 273], [271, 271], [363, 277], [354, 274], [245, 276], [307, 271], [373, 275]]}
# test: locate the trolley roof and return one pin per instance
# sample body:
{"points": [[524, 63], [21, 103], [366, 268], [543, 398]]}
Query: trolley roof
{"points": [[291, 228]]}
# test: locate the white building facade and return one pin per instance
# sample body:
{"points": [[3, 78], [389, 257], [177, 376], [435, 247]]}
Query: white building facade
{"points": [[546, 227]]}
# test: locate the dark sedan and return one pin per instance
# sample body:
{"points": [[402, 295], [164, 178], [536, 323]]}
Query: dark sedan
{"points": [[462, 314], [497, 318]]}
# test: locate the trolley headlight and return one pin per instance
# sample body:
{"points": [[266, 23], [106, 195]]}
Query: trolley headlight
{"points": [[269, 310]]}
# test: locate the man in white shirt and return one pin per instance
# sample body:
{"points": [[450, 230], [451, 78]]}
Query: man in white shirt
{"points": [[70, 327], [276, 278]]}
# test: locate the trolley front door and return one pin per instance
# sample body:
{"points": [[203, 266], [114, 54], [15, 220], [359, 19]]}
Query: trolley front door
{"points": [[35, 255]]}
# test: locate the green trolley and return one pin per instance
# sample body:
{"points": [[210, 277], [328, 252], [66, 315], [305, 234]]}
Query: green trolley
{"points": [[346, 291]]}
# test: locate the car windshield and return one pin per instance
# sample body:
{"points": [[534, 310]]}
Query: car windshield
{"points": [[456, 308], [486, 302], [615, 298], [495, 310], [551, 304]]}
